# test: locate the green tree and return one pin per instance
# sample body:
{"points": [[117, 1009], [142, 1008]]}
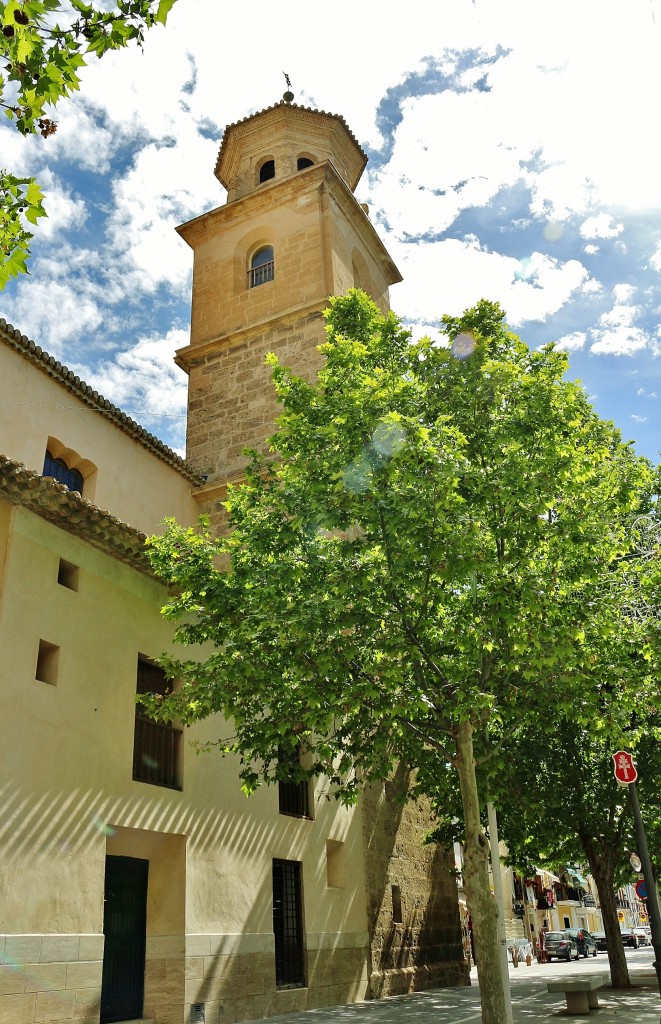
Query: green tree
{"points": [[568, 808], [407, 567], [553, 781], [40, 61]]}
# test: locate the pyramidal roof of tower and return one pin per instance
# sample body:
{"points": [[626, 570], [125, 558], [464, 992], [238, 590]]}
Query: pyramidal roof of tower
{"points": [[68, 379], [290, 106]]}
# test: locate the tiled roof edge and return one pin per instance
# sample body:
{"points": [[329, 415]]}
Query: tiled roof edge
{"points": [[274, 106], [54, 502], [61, 373]]}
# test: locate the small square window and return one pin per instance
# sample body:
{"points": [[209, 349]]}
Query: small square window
{"points": [[47, 663], [67, 575]]}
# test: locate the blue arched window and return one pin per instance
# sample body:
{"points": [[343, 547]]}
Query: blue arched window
{"points": [[58, 469], [262, 267]]}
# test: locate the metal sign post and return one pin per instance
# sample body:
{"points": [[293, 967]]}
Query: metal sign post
{"points": [[626, 775]]}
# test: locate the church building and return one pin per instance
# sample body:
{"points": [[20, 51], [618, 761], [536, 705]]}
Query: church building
{"points": [[137, 882]]}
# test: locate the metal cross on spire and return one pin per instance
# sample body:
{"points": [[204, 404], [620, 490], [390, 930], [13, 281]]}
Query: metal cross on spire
{"points": [[288, 96]]}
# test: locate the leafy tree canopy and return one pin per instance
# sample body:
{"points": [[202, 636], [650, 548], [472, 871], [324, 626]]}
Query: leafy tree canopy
{"points": [[43, 46], [410, 566], [417, 553]]}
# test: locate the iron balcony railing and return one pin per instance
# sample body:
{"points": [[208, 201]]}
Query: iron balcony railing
{"points": [[156, 753], [262, 274]]}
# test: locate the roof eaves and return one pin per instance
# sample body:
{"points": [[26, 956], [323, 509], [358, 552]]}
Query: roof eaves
{"points": [[295, 106], [54, 502], [61, 373]]}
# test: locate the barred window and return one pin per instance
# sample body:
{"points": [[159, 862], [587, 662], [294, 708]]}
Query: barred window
{"points": [[156, 745], [288, 924]]}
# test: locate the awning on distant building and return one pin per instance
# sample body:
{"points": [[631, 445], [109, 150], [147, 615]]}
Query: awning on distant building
{"points": [[576, 878], [548, 878]]}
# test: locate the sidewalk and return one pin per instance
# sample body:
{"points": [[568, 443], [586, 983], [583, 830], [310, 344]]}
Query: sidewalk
{"points": [[531, 1002]]}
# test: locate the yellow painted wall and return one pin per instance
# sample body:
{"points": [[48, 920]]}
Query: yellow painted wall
{"points": [[130, 482], [68, 791]]}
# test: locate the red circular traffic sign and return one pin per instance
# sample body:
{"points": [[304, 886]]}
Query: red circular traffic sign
{"points": [[641, 889], [625, 770]]}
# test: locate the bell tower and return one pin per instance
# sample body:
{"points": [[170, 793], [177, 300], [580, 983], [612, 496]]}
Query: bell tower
{"points": [[290, 235]]}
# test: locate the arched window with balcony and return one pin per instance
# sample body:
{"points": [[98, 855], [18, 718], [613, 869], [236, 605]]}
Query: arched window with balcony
{"points": [[262, 266]]}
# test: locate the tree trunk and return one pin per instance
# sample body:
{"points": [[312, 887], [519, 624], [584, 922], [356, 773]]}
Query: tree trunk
{"points": [[601, 869], [481, 904]]}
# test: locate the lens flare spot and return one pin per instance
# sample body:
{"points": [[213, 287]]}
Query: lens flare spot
{"points": [[102, 826], [387, 438], [356, 477], [463, 346], [553, 231], [524, 270]]}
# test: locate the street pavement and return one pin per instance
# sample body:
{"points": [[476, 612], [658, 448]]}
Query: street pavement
{"points": [[531, 1002]]}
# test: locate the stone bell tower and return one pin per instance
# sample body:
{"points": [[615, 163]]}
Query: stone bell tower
{"points": [[290, 235]]}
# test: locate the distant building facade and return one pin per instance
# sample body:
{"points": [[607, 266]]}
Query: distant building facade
{"points": [[136, 880]]}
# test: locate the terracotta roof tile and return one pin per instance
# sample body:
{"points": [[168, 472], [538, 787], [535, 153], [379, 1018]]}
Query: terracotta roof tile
{"points": [[61, 373], [54, 502]]}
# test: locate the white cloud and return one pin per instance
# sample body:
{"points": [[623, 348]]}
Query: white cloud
{"points": [[572, 342], [54, 313], [601, 226], [82, 139], [144, 378], [64, 210], [165, 186], [450, 276], [623, 292], [639, 419], [619, 341], [591, 250], [618, 331]]}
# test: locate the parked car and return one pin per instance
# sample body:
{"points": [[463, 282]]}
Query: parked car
{"points": [[561, 946], [643, 937], [600, 939], [519, 949], [629, 937], [585, 940]]}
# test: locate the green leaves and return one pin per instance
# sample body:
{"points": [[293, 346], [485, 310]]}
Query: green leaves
{"points": [[428, 548], [20, 199], [40, 64]]}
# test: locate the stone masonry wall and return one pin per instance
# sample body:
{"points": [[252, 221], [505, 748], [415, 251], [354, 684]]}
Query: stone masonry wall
{"points": [[232, 402], [422, 950]]}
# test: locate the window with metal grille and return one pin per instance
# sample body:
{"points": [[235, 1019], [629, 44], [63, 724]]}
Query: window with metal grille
{"points": [[156, 745], [288, 924], [262, 267], [58, 469], [293, 795]]}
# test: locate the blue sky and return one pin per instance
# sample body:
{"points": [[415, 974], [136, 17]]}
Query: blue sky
{"points": [[513, 156]]}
